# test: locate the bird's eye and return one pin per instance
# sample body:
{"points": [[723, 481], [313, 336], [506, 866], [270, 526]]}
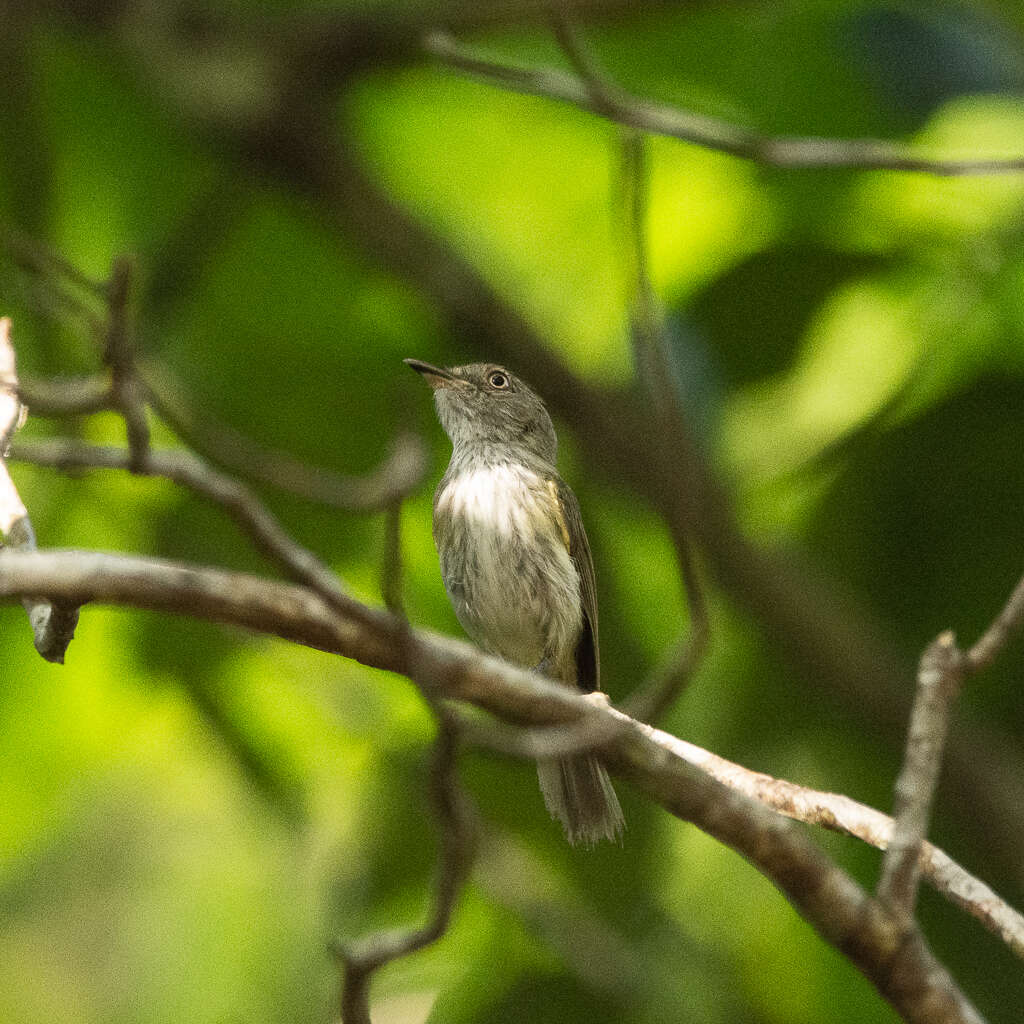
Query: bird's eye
{"points": [[498, 380]]}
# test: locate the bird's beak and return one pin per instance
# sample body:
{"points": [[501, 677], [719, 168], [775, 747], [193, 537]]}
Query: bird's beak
{"points": [[433, 375]]}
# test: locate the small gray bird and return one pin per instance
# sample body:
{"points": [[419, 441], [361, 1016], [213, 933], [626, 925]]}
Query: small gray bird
{"points": [[516, 563]]}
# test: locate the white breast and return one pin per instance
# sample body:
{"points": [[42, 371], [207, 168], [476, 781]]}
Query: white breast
{"points": [[496, 498], [505, 563]]}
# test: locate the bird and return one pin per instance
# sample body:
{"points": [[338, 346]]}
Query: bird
{"points": [[516, 563]]}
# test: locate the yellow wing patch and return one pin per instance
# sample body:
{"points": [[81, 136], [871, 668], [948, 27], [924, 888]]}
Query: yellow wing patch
{"points": [[559, 514]]}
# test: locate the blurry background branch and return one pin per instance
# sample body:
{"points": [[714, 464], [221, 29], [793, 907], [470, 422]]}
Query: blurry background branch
{"points": [[699, 129], [672, 435], [455, 821]]}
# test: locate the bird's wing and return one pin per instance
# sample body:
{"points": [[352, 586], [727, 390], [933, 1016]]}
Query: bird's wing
{"points": [[588, 667]]}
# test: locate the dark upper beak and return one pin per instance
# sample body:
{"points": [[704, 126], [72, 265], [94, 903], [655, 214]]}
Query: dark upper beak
{"points": [[434, 375]]}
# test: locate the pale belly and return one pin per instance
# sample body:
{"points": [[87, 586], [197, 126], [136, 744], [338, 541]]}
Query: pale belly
{"points": [[506, 567]]}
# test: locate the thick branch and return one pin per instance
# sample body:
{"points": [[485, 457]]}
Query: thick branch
{"points": [[793, 153], [890, 953]]}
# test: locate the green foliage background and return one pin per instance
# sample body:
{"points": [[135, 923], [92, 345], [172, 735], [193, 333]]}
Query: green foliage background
{"points": [[187, 815]]}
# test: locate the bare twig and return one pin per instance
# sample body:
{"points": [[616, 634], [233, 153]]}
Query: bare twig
{"points": [[605, 93], [66, 289], [842, 814], [187, 470], [53, 623], [43, 261], [712, 133], [889, 951], [938, 681], [995, 638], [543, 741], [654, 366], [942, 670], [365, 956], [80, 396], [398, 475]]}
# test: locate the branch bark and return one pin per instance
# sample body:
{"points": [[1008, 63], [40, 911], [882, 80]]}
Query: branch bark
{"points": [[891, 953], [942, 670]]}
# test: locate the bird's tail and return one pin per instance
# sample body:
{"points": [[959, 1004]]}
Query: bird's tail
{"points": [[579, 794]]}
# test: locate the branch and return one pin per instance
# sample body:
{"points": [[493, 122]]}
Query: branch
{"points": [[793, 153], [891, 953], [938, 682], [833, 811], [53, 623], [78, 396], [842, 814], [361, 959], [995, 638], [653, 362], [182, 467], [942, 671]]}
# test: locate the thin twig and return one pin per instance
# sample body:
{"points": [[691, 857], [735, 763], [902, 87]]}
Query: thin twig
{"points": [[360, 959], [938, 682], [188, 470], [664, 685], [942, 670], [46, 262], [66, 289], [53, 622], [995, 638], [840, 813], [605, 93], [655, 369], [794, 153], [78, 396]]}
